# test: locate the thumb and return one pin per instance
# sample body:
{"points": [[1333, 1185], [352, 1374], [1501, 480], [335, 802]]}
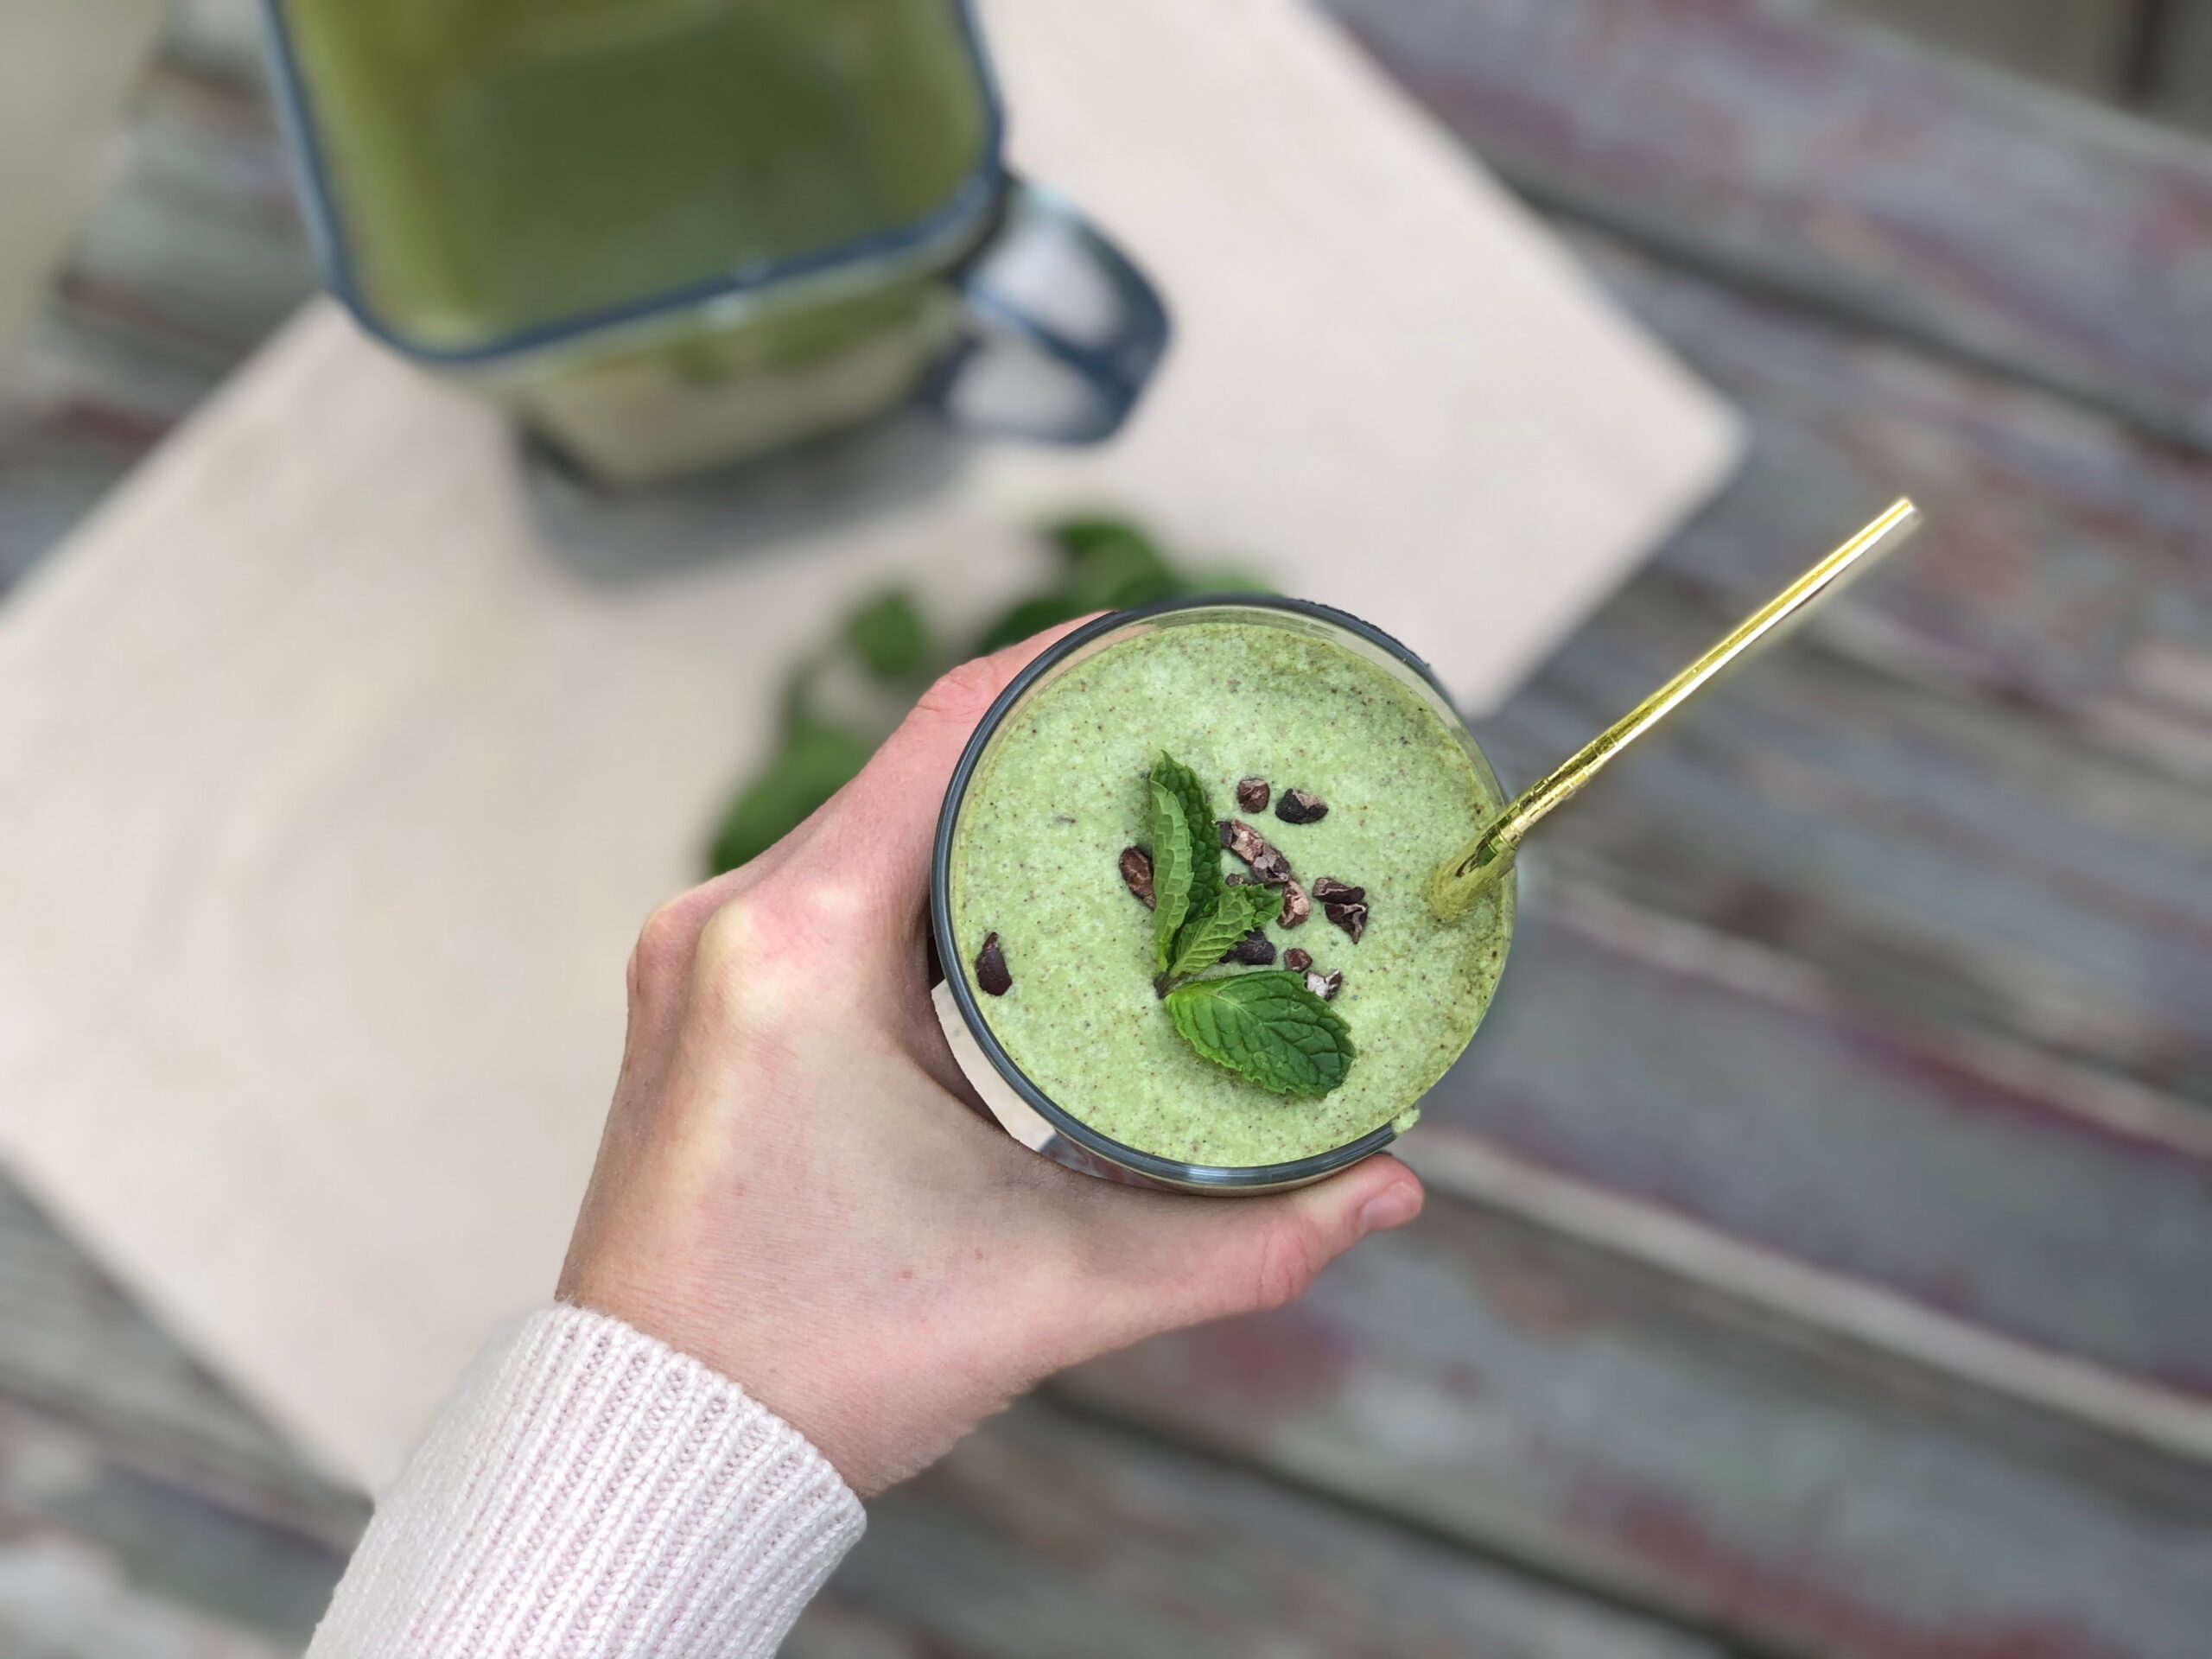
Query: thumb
{"points": [[1188, 1260]]}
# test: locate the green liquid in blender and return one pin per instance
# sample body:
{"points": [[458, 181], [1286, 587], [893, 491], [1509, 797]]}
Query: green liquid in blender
{"points": [[499, 166]]}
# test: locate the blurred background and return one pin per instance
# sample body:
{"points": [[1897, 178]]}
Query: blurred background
{"points": [[1820, 1229]]}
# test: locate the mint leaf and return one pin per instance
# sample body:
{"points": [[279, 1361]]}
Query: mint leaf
{"points": [[1235, 912], [1203, 830], [816, 761], [1111, 565], [1032, 616], [1120, 569], [1223, 578], [1268, 1026], [890, 637], [1170, 871], [1085, 535]]}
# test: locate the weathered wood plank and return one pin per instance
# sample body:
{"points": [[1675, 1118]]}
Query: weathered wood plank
{"points": [[1948, 861], [1993, 1192], [2067, 568], [76, 1350], [190, 261], [1044, 1534], [1938, 861], [1561, 1405], [1785, 144], [63, 80], [1966, 824], [1827, 1309], [2183, 88], [200, 247], [2078, 43], [97, 1560]]}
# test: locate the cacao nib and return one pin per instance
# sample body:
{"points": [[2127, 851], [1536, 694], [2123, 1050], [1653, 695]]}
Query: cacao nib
{"points": [[1349, 916], [1329, 891], [1325, 985], [1301, 806], [1268, 866], [1242, 839], [1252, 794], [1256, 949], [1296, 906], [990, 969], [1136, 870], [1296, 960]]}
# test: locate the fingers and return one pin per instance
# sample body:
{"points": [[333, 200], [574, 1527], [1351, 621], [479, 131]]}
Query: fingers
{"points": [[1268, 1259], [1188, 1260]]}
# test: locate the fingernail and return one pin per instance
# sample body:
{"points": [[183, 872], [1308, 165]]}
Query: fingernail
{"points": [[1394, 1206]]}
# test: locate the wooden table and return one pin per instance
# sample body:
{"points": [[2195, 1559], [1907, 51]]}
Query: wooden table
{"points": [[1824, 1224]]}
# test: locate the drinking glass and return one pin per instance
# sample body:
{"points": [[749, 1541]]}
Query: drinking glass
{"points": [[1023, 1109]]}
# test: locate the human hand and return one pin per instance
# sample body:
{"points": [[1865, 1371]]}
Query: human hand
{"points": [[794, 1187]]}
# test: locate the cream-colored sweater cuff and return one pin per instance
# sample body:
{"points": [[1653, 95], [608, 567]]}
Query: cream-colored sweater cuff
{"points": [[593, 1494]]}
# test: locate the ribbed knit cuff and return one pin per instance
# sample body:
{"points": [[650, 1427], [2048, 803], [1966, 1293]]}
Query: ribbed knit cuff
{"points": [[594, 1494]]}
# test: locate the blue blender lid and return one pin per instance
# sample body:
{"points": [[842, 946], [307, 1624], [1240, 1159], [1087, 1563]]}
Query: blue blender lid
{"points": [[484, 179]]}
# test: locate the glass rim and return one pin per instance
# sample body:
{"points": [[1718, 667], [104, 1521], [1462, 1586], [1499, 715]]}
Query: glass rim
{"points": [[1172, 1171], [983, 183]]}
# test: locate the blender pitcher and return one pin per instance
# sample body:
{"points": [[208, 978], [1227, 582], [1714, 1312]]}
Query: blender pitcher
{"points": [[676, 234]]}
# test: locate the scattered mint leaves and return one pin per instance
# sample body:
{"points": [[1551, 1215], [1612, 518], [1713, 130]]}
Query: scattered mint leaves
{"points": [[1170, 871], [1267, 1028], [1111, 565], [1107, 564], [1204, 830], [1209, 937]]}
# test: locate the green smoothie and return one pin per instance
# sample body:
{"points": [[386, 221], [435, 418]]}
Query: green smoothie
{"points": [[502, 165], [1063, 792]]}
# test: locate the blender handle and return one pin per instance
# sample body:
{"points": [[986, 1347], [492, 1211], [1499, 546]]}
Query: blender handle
{"points": [[1062, 333]]}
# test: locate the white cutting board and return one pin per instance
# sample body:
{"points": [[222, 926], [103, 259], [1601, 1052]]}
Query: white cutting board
{"points": [[338, 762]]}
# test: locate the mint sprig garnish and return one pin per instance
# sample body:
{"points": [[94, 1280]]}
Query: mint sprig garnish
{"points": [[1203, 832], [1206, 939], [1267, 1028], [1172, 867]]}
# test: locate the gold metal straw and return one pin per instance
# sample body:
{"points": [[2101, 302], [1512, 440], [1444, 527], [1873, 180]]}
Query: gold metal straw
{"points": [[1460, 883]]}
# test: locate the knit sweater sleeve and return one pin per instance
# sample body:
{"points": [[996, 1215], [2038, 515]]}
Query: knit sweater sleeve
{"points": [[593, 1494]]}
